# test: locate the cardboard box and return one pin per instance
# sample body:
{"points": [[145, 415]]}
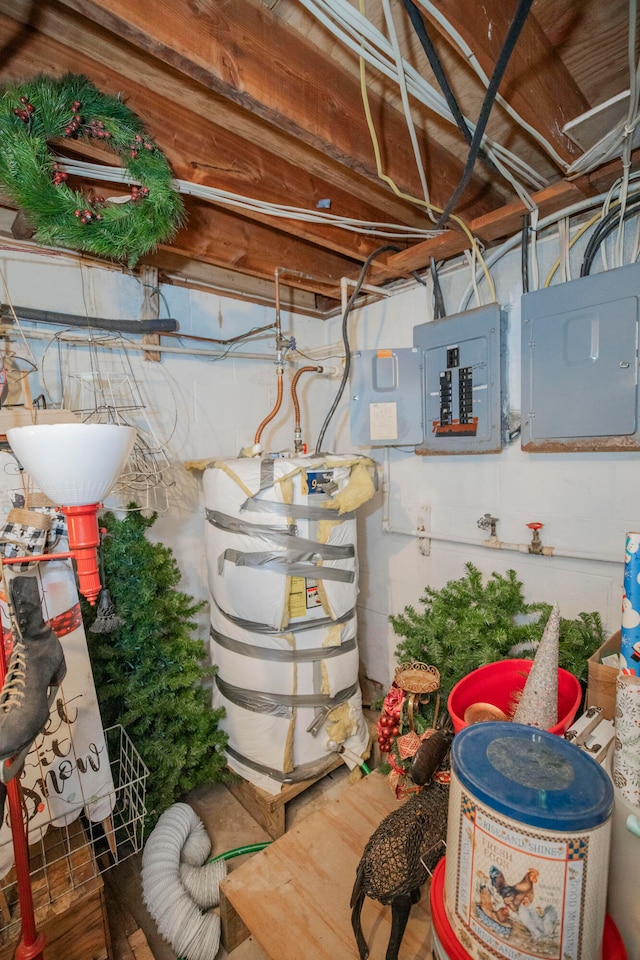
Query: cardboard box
{"points": [[601, 686]]}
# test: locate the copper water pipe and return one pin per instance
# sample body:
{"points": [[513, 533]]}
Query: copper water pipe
{"points": [[297, 433], [270, 416]]}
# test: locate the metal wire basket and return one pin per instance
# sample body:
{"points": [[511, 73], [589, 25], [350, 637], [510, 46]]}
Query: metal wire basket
{"points": [[66, 860]]}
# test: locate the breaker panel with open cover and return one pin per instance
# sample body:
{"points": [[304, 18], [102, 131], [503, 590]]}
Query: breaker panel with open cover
{"points": [[443, 395]]}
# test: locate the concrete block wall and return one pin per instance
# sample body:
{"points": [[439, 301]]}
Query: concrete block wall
{"points": [[199, 407], [586, 501], [193, 406]]}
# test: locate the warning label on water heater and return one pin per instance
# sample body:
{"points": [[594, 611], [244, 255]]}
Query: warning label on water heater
{"points": [[303, 596]]}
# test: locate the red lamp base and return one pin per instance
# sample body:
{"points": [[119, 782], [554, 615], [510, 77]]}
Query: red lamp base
{"points": [[84, 539]]}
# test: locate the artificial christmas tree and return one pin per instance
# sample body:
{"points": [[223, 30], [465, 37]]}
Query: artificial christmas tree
{"points": [[148, 672]]}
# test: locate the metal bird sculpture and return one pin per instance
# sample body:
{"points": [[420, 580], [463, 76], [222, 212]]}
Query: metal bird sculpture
{"points": [[402, 851]]}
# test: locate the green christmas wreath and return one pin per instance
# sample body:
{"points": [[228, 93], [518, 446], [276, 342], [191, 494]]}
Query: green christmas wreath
{"points": [[37, 111]]}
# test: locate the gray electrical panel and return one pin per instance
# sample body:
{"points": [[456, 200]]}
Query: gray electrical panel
{"points": [[386, 406], [580, 364], [463, 374]]}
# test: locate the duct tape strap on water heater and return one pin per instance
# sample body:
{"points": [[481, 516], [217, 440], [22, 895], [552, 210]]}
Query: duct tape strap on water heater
{"points": [[281, 554]]}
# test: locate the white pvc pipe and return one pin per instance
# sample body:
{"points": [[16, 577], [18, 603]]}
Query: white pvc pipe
{"points": [[491, 543], [346, 282], [133, 345]]}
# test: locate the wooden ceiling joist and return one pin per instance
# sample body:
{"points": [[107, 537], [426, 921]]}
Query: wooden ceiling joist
{"points": [[225, 240], [536, 83], [229, 166], [243, 54], [501, 223], [262, 101]]}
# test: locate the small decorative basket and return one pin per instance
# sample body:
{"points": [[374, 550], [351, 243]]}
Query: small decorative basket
{"points": [[417, 677], [418, 680]]}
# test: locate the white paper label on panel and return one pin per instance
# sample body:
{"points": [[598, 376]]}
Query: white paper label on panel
{"points": [[383, 421]]}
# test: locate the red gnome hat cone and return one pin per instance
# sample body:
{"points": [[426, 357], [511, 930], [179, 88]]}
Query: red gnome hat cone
{"points": [[538, 705]]}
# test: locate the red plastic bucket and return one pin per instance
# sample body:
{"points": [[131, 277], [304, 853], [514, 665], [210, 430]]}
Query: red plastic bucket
{"points": [[446, 946], [495, 683]]}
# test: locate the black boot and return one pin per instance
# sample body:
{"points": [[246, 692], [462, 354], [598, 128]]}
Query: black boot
{"points": [[36, 664]]}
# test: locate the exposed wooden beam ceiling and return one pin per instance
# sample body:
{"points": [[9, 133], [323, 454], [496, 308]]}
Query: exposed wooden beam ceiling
{"points": [[259, 100]]}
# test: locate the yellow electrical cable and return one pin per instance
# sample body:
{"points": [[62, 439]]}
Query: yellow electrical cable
{"points": [[576, 236], [405, 196]]}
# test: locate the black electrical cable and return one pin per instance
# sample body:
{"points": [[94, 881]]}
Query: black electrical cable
{"points": [[438, 300], [345, 338], [423, 36], [524, 252], [587, 262], [489, 99], [432, 55], [606, 226]]}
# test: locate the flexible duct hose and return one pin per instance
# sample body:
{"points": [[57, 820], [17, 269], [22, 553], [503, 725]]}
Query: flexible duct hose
{"points": [[270, 417], [296, 405], [179, 887]]}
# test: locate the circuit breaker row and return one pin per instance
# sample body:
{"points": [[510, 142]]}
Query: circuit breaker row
{"points": [[447, 393]]}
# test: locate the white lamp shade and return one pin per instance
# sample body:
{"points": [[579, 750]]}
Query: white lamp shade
{"points": [[73, 463]]}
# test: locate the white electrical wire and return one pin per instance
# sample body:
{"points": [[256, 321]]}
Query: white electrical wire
{"points": [[498, 252], [621, 134], [472, 260], [359, 35], [469, 55], [224, 197], [563, 237], [632, 118], [405, 101]]}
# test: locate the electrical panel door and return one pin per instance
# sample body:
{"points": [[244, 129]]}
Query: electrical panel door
{"points": [[579, 364], [386, 395], [463, 360]]}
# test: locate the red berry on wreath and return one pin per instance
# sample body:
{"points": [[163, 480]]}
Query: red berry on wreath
{"points": [[132, 234]]}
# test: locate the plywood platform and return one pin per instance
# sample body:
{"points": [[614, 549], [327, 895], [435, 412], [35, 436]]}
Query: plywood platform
{"points": [[294, 895]]}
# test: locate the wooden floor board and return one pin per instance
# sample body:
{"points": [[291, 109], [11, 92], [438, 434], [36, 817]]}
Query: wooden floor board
{"points": [[294, 895]]}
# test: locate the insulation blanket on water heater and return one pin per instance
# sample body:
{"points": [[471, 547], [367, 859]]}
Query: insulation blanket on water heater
{"points": [[282, 566]]}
